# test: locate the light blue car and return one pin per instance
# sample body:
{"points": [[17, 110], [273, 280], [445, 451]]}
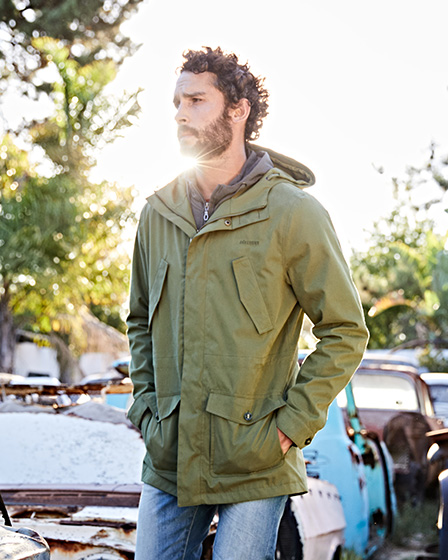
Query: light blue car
{"points": [[360, 467]]}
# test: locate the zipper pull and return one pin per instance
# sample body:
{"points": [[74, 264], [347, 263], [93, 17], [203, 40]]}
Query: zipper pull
{"points": [[206, 215]]}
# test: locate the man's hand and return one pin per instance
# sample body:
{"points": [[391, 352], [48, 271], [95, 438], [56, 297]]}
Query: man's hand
{"points": [[285, 442]]}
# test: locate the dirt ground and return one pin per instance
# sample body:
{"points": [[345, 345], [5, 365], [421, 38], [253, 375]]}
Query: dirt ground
{"points": [[415, 533], [413, 550], [391, 552]]}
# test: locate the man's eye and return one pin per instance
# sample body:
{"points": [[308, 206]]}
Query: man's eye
{"points": [[196, 99]]}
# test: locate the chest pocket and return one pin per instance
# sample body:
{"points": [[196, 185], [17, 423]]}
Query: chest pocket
{"points": [[156, 288], [250, 294]]}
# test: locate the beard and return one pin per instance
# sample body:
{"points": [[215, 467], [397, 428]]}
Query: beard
{"points": [[212, 141]]}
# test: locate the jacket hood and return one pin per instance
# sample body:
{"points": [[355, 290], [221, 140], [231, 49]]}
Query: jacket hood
{"points": [[291, 167]]}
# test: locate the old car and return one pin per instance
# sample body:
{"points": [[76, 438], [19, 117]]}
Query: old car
{"points": [[361, 468], [404, 359], [396, 405], [313, 525], [72, 474], [439, 441], [22, 544]]}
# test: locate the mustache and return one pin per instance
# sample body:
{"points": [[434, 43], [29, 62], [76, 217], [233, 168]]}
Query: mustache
{"points": [[185, 129]]}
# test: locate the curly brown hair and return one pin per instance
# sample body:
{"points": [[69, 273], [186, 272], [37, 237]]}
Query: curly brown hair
{"points": [[234, 80]]}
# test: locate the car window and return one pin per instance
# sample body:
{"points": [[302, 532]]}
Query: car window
{"points": [[439, 393], [388, 392]]}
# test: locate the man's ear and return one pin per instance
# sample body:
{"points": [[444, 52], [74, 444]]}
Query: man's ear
{"points": [[240, 112]]}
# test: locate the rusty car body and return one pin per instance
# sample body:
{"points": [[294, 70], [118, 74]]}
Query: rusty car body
{"points": [[22, 544], [313, 525], [395, 404], [360, 467], [72, 474]]}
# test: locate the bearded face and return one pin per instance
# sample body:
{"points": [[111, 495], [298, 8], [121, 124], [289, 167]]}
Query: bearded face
{"points": [[211, 141]]}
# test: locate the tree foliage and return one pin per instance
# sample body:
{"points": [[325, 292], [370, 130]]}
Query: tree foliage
{"points": [[61, 233], [90, 28], [403, 275]]}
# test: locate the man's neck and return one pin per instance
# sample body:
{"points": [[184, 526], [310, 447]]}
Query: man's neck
{"points": [[219, 171]]}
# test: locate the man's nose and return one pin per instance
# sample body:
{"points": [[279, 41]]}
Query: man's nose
{"points": [[181, 115]]}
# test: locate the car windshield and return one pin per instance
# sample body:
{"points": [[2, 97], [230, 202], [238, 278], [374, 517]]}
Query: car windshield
{"points": [[388, 392]]}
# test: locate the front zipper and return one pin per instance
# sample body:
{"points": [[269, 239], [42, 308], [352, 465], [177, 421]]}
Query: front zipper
{"points": [[206, 214]]}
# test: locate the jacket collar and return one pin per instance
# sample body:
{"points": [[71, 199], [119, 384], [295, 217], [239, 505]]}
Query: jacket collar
{"points": [[172, 200], [172, 203]]}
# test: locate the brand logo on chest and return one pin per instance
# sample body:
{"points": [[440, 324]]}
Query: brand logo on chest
{"points": [[247, 242]]}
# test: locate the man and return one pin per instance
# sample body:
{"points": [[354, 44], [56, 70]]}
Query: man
{"points": [[228, 258]]}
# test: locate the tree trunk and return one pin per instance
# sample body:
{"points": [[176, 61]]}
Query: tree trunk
{"points": [[7, 334]]}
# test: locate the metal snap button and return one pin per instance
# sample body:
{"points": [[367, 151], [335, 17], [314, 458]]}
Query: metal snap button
{"points": [[248, 416], [228, 222], [307, 441]]}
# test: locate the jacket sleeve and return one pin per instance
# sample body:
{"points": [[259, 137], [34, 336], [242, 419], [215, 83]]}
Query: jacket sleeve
{"points": [[140, 340], [321, 280]]}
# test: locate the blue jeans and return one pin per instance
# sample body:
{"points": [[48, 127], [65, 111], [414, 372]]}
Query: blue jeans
{"points": [[166, 531]]}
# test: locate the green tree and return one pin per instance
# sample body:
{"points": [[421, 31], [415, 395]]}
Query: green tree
{"points": [[61, 233], [90, 28], [29, 227], [403, 275]]}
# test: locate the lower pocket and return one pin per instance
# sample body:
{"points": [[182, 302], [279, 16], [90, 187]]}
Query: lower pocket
{"points": [[161, 435], [244, 437]]}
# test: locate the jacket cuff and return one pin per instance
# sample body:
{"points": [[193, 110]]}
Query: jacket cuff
{"points": [[299, 434]]}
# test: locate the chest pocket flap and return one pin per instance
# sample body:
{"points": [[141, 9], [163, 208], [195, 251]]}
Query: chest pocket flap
{"points": [[156, 288], [250, 294]]}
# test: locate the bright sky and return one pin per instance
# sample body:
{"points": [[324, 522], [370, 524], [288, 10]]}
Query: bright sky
{"points": [[354, 86]]}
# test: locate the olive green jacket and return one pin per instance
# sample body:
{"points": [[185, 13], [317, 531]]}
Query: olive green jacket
{"points": [[214, 322]]}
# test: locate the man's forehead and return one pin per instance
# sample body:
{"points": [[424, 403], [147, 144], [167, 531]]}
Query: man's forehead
{"points": [[189, 82]]}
